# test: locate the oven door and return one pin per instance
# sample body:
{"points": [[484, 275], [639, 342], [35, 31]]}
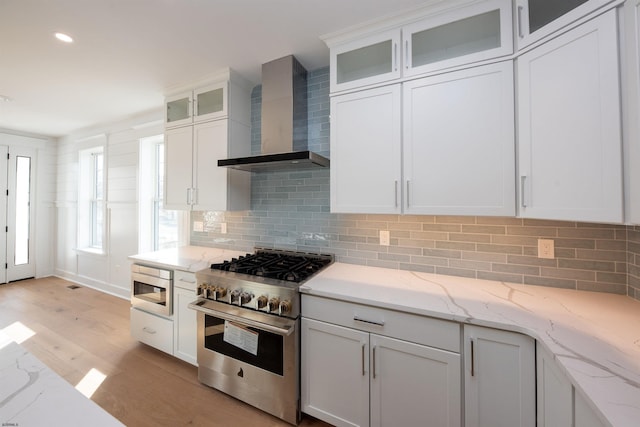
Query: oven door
{"points": [[151, 293], [250, 355]]}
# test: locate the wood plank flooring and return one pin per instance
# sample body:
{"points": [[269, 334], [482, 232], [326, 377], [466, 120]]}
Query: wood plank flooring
{"points": [[76, 330]]}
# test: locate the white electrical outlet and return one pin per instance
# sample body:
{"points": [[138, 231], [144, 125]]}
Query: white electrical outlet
{"points": [[223, 227], [545, 248], [198, 226], [384, 237]]}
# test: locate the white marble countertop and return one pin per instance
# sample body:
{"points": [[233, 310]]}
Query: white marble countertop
{"points": [[33, 395], [594, 337], [185, 258]]}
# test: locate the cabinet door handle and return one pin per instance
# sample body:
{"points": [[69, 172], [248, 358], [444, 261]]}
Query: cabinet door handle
{"points": [[523, 201], [407, 193], [520, 32], [395, 57], [473, 358], [149, 330], [194, 196], [363, 372], [396, 194], [188, 196], [406, 54], [373, 369]]}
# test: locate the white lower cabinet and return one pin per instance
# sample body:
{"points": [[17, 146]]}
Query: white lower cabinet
{"points": [[353, 376], [184, 319], [413, 383], [500, 378], [559, 404], [335, 373], [554, 393], [152, 330]]}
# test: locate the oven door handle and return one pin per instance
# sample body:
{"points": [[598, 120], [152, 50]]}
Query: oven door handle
{"points": [[244, 321]]}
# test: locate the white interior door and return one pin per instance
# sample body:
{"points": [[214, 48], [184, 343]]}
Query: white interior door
{"points": [[19, 214]]}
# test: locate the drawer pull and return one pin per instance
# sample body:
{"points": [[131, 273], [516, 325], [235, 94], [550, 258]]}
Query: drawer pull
{"points": [[188, 281], [371, 322], [149, 330]]}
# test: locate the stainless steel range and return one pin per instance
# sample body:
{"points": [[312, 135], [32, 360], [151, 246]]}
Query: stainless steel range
{"points": [[249, 327]]}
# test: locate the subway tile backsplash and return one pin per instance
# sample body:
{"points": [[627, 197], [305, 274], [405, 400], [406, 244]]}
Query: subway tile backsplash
{"points": [[290, 210]]}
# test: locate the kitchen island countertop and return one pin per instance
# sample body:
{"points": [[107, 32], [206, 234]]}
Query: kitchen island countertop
{"points": [[594, 337], [31, 394], [185, 258]]}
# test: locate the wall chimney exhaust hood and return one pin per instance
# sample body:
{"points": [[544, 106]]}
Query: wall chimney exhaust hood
{"points": [[284, 122]]}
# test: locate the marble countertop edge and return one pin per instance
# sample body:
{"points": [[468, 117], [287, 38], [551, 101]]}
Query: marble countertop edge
{"points": [[593, 337]]}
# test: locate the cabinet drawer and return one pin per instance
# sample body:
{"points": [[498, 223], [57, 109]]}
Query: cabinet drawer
{"points": [[152, 330], [184, 280], [404, 326]]}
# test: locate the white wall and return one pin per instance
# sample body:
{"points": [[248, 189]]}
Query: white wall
{"points": [[108, 272]]}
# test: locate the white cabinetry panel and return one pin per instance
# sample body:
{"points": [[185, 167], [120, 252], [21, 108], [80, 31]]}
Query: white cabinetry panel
{"points": [[458, 142], [365, 151], [500, 388], [411, 383], [335, 376], [569, 126]]}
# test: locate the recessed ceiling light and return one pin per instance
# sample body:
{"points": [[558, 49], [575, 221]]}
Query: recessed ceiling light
{"points": [[5, 99], [64, 37]]}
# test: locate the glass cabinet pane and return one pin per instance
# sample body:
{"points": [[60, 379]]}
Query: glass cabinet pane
{"points": [[178, 109], [542, 12], [210, 102], [364, 62], [455, 39]]}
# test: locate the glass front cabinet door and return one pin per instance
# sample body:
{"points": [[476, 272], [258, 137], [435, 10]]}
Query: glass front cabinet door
{"points": [[210, 102], [536, 19], [202, 104], [457, 37], [366, 61], [178, 109]]}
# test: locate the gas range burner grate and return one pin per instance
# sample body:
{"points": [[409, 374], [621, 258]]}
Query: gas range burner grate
{"points": [[289, 266]]}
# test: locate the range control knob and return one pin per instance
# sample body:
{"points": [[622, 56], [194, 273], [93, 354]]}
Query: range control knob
{"points": [[262, 301], [245, 297], [202, 289], [220, 292], [285, 307], [274, 303], [235, 296]]}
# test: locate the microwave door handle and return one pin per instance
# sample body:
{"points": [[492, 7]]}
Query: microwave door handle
{"points": [[244, 321]]}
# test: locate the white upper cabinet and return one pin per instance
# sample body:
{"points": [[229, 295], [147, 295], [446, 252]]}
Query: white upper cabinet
{"points": [[459, 142], [417, 44], [569, 137], [202, 104], [457, 37], [366, 131], [536, 19], [374, 59], [206, 124]]}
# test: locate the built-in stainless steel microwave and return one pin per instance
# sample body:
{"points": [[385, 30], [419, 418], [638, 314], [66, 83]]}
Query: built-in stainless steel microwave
{"points": [[152, 289]]}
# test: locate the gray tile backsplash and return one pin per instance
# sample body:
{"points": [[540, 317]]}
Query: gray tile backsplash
{"points": [[290, 210]]}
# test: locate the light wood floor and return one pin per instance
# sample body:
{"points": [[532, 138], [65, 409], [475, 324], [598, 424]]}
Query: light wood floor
{"points": [[76, 330]]}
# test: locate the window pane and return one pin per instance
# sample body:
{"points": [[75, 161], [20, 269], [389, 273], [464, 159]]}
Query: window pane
{"points": [[23, 188]]}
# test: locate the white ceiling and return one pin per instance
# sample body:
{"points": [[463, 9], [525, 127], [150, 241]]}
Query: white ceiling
{"points": [[128, 52]]}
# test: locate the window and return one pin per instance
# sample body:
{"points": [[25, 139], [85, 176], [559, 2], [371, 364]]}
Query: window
{"points": [[159, 228], [91, 200]]}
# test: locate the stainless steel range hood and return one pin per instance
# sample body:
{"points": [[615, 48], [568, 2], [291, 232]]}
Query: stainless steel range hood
{"points": [[284, 121]]}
